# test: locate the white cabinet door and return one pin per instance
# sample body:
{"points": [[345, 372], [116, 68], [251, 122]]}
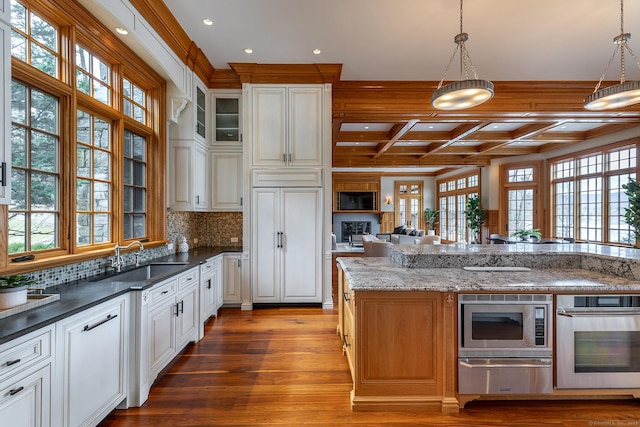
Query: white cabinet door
{"points": [[188, 179], [302, 249], [200, 177], [232, 283], [161, 336], [26, 400], [92, 356], [187, 315], [266, 235], [305, 126], [226, 182], [5, 118], [287, 258], [287, 125], [269, 126], [226, 106]]}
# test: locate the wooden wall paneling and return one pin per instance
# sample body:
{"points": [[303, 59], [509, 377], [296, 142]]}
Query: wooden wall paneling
{"points": [[387, 222]]}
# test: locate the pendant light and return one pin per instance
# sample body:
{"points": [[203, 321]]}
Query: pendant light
{"points": [[620, 95], [465, 93]]}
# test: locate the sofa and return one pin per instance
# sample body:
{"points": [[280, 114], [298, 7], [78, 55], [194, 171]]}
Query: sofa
{"points": [[405, 235]]}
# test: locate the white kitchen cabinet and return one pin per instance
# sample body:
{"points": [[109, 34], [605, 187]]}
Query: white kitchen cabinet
{"points": [[168, 317], [25, 379], [26, 401], [226, 180], [226, 106], [232, 280], [287, 247], [210, 289], [188, 176], [91, 370], [287, 125], [5, 119]]}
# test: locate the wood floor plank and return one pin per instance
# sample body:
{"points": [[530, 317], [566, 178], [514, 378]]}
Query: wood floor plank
{"points": [[284, 367]]}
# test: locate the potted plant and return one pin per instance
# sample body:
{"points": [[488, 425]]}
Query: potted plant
{"points": [[13, 290], [476, 216], [430, 220], [525, 234], [632, 213]]}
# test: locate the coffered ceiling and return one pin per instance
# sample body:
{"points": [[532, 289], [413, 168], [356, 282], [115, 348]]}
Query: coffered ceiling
{"points": [[544, 58]]}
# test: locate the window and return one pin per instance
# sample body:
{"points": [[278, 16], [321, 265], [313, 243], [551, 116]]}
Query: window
{"points": [[93, 180], [34, 208], [134, 104], [92, 76], [135, 191], [34, 40], [453, 194], [82, 179], [588, 201], [409, 203], [520, 197]]}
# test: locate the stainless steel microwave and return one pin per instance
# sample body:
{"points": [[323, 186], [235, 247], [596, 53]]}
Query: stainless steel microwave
{"points": [[505, 325]]}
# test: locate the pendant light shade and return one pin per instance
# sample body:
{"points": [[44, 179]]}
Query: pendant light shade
{"points": [[467, 92], [462, 94], [620, 95]]}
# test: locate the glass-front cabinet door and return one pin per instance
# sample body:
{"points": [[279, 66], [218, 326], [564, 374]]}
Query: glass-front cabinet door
{"points": [[227, 118]]}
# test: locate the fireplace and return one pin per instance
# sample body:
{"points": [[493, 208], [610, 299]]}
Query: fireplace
{"points": [[354, 227]]}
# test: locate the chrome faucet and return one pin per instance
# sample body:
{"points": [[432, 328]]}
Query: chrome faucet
{"points": [[117, 262]]}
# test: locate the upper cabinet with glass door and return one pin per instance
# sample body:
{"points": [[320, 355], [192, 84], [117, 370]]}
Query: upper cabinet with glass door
{"points": [[227, 118]]}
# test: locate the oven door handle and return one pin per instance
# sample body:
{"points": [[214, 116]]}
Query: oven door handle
{"points": [[591, 313], [507, 363]]}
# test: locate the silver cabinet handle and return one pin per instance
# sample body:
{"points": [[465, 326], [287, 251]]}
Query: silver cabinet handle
{"points": [[88, 328], [506, 363], [600, 313]]}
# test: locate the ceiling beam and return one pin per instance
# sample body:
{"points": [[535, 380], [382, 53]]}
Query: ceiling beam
{"points": [[396, 132]]}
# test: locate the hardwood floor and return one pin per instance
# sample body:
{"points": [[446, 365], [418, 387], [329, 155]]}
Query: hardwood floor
{"points": [[284, 366]]}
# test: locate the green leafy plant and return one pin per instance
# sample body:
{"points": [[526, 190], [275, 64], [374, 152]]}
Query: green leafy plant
{"points": [[525, 234], [476, 217], [431, 218], [632, 213], [15, 281]]}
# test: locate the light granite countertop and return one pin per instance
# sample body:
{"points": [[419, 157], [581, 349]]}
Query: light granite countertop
{"points": [[555, 268]]}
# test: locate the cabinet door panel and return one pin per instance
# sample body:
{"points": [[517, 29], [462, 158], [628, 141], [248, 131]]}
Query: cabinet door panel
{"points": [[269, 126], [305, 126], [161, 335], [227, 181], [29, 407], [266, 257], [232, 279], [187, 328], [94, 346], [302, 251]]}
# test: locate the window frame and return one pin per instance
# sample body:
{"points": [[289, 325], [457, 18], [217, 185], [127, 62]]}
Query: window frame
{"points": [[453, 193], [537, 184], [604, 174], [76, 26]]}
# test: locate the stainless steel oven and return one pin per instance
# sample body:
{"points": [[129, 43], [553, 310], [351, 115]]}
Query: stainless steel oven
{"points": [[598, 341], [505, 343]]}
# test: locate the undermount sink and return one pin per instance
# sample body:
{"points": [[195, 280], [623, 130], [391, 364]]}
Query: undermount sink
{"points": [[148, 271]]}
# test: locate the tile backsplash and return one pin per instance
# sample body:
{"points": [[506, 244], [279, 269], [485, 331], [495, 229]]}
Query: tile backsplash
{"points": [[210, 228]]}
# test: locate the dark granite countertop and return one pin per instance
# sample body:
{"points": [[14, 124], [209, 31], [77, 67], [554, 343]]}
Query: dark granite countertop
{"points": [[83, 294]]}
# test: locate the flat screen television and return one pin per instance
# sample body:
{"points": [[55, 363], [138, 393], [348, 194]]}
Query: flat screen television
{"points": [[357, 201]]}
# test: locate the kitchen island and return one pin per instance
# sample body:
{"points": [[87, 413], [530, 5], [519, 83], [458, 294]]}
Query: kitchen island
{"points": [[398, 316]]}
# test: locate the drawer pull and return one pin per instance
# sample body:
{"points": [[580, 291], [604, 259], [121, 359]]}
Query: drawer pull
{"points": [[16, 391], [164, 292], [12, 362], [345, 342], [346, 297], [209, 284], [102, 322]]}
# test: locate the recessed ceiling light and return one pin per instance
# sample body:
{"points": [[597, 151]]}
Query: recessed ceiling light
{"points": [[366, 127], [317, 51], [357, 143], [248, 50], [207, 21], [430, 127], [496, 126], [122, 30], [563, 127]]}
